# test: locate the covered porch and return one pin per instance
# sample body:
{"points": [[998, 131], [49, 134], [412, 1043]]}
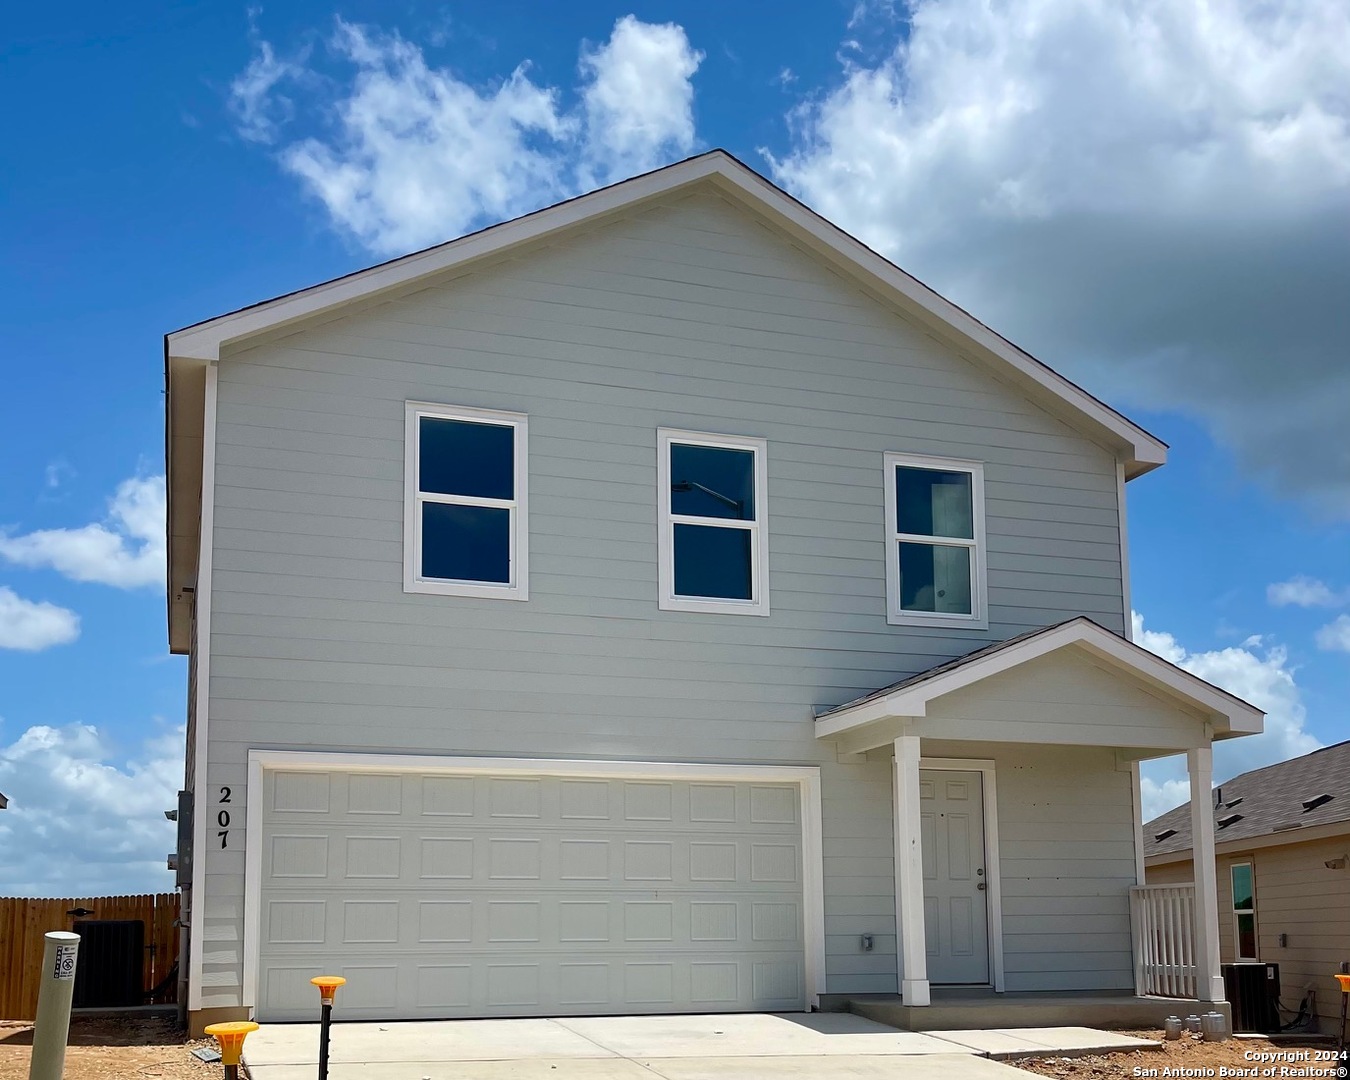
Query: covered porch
{"points": [[1017, 826]]}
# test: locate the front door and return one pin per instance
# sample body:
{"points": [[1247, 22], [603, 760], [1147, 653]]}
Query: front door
{"points": [[956, 913]]}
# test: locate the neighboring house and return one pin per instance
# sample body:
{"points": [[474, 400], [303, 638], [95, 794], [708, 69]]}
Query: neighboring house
{"points": [[1282, 837], [4, 802], [537, 588]]}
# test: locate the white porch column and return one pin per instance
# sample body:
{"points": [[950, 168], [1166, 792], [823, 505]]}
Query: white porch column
{"points": [[1208, 977], [911, 942]]}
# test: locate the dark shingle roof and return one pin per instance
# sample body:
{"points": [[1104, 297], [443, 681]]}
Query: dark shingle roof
{"points": [[1279, 798]]}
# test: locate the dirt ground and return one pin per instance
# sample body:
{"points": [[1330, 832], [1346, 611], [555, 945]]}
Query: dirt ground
{"points": [[1240, 1057], [106, 1048]]}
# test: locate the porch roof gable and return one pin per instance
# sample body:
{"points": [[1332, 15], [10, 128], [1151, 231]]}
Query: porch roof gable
{"points": [[1228, 716]]}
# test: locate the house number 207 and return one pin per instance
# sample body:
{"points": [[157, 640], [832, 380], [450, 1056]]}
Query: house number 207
{"points": [[223, 820]]}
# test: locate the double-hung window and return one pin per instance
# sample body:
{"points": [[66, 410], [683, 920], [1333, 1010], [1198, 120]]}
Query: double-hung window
{"points": [[465, 526], [1243, 878], [712, 510], [935, 571]]}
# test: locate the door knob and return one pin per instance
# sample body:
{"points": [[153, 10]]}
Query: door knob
{"points": [[981, 886]]}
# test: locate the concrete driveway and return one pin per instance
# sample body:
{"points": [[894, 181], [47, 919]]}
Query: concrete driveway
{"points": [[815, 1046]]}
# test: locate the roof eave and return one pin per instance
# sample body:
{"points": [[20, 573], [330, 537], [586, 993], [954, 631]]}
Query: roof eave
{"points": [[1229, 716], [1139, 450]]}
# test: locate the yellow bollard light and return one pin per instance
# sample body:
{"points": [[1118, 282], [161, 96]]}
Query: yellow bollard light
{"points": [[328, 986], [231, 1037]]}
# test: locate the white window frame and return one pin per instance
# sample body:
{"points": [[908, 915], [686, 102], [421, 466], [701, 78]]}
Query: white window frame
{"points": [[1232, 905], [517, 588], [978, 619], [667, 600]]}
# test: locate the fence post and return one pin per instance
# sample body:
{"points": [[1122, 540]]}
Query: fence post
{"points": [[52, 1028]]}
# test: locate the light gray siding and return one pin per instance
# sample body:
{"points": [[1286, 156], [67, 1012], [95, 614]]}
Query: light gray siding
{"points": [[690, 315]]}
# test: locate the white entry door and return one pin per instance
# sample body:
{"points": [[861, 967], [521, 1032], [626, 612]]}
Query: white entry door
{"points": [[955, 885]]}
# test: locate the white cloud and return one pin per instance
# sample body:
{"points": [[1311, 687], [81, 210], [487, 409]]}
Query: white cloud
{"points": [[127, 550], [1152, 197], [414, 155], [1265, 679], [258, 107], [639, 101], [81, 822], [34, 625], [1304, 591], [1335, 636]]}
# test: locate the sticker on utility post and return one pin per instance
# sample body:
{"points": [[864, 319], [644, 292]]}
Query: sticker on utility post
{"points": [[65, 961]]}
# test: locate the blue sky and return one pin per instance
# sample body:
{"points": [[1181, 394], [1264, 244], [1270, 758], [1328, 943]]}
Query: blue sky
{"points": [[1153, 204]]}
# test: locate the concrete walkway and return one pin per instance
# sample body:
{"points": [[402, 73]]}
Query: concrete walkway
{"points": [[816, 1046], [1005, 1044]]}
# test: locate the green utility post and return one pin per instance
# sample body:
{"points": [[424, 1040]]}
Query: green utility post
{"points": [[52, 1028]]}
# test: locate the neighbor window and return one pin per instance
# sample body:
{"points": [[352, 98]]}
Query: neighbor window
{"points": [[465, 528], [713, 544], [935, 542], [1243, 878]]}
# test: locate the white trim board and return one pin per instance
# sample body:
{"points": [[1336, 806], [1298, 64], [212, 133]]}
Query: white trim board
{"points": [[1229, 715], [204, 340], [806, 777], [992, 870], [666, 597], [978, 619], [518, 586], [201, 599]]}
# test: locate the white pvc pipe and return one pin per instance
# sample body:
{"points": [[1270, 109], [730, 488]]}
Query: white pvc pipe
{"points": [[52, 1027]]}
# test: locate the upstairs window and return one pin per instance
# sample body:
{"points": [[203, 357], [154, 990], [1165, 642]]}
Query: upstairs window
{"points": [[935, 572], [712, 511], [465, 529]]}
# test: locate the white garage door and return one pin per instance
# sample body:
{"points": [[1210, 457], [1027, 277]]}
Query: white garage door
{"points": [[460, 896]]}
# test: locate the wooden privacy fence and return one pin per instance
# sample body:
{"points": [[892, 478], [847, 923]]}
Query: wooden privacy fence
{"points": [[23, 923]]}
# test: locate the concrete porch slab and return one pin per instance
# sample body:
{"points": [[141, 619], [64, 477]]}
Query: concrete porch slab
{"points": [[986, 1010], [1006, 1044]]}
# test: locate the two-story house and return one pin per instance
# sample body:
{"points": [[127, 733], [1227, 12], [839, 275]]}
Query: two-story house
{"points": [[538, 588]]}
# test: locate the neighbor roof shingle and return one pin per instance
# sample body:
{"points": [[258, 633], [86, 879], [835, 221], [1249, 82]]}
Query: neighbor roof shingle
{"points": [[1265, 801]]}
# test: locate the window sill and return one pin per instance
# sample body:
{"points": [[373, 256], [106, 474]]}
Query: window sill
{"points": [[714, 607], [457, 588], [937, 621]]}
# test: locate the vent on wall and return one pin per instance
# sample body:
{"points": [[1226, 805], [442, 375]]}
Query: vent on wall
{"points": [[1316, 801]]}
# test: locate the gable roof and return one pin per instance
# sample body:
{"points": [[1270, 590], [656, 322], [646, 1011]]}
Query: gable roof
{"points": [[203, 341], [1230, 715], [188, 350], [1278, 799]]}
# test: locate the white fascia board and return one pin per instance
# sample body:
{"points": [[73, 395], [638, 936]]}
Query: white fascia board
{"points": [[204, 340], [1147, 451], [1232, 714]]}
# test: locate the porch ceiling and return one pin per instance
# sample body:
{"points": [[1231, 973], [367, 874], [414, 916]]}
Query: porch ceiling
{"points": [[1073, 683]]}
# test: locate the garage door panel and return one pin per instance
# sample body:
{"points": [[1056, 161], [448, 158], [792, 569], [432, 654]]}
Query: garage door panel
{"points": [[501, 896]]}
